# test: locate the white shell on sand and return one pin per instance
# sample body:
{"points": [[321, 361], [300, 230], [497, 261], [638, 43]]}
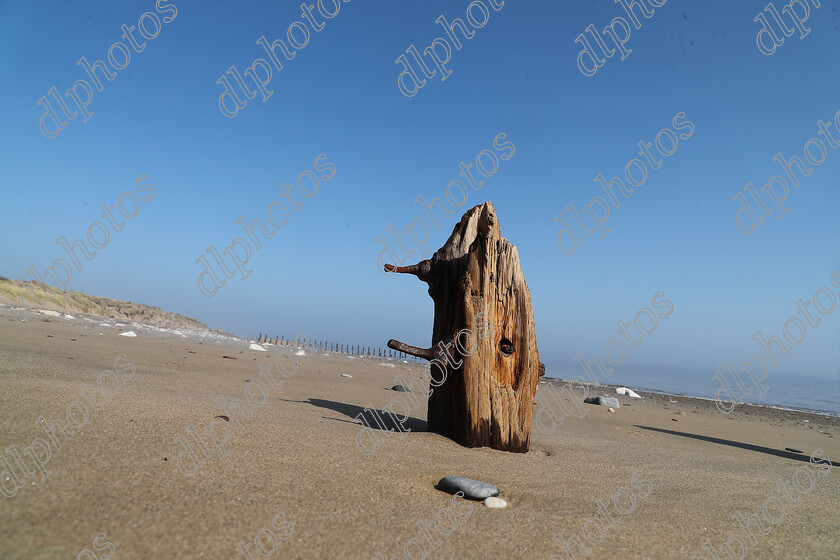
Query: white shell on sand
{"points": [[494, 502], [50, 312], [68, 316], [257, 347], [300, 353], [345, 375], [628, 392], [128, 333]]}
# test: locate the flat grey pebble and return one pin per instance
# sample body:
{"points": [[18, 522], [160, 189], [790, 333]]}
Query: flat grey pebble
{"points": [[471, 488], [603, 401], [401, 389]]}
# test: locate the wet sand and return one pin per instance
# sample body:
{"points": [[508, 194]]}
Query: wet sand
{"points": [[298, 455]]}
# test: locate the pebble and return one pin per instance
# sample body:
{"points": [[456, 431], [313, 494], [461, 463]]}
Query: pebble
{"points": [[400, 388], [128, 333], [257, 347], [611, 409], [495, 502], [603, 401], [471, 488], [345, 375], [674, 419]]}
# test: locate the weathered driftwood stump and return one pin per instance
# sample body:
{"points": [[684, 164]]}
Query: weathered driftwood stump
{"points": [[487, 397]]}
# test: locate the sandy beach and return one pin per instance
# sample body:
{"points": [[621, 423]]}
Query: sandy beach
{"points": [[297, 454]]}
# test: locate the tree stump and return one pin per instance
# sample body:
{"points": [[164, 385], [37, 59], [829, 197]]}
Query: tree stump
{"points": [[487, 395]]}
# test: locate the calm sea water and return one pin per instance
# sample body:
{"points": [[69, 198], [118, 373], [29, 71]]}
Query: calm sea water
{"points": [[802, 392]]}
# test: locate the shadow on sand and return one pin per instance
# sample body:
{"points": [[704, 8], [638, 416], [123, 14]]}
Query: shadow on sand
{"points": [[376, 419], [738, 444]]}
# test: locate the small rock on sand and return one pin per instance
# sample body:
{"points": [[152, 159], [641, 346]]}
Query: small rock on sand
{"points": [[628, 392], [471, 488], [256, 347], [387, 365], [495, 502], [400, 389], [603, 401], [345, 375], [128, 333]]}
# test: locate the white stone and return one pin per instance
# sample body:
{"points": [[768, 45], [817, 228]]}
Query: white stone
{"points": [[628, 392], [128, 333], [257, 347], [300, 353], [388, 365], [345, 375], [494, 502], [50, 312]]}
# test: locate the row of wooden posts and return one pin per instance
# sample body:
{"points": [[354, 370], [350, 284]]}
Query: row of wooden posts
{"points": [[335, 347]]}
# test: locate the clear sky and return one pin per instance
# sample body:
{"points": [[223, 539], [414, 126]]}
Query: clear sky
{"points": [[338, 96]]}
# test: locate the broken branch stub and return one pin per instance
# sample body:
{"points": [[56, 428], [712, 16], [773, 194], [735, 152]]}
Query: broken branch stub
{"points": [[483, 380]]}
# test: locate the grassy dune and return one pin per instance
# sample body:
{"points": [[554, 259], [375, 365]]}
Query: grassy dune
{"points": [[78, 302]]}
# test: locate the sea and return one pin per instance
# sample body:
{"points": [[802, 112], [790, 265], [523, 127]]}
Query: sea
{"points": [[796, 392]]}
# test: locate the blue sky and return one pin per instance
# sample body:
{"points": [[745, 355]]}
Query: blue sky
{"points": [[159, 117]]}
